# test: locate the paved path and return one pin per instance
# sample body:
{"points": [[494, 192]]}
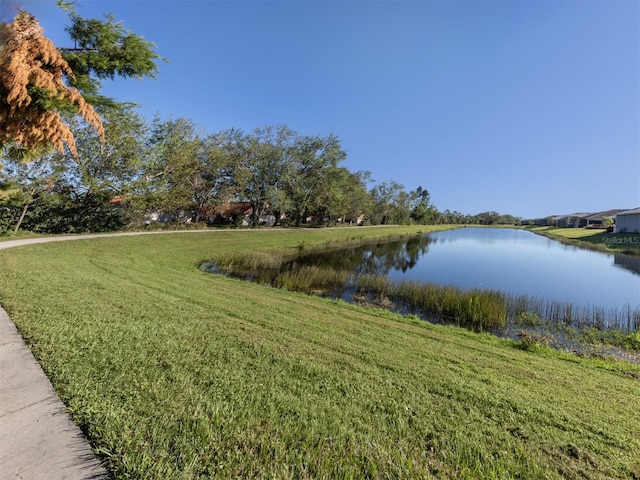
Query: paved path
{"points": [[38, 439], [30, 241]]}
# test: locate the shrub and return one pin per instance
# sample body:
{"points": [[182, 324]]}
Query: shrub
{"points": [[531, 342]]}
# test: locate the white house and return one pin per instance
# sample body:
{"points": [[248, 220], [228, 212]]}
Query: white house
{"points": [[628, 221]]}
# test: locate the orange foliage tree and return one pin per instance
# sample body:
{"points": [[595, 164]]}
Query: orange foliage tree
{"points": [[33, 93]]}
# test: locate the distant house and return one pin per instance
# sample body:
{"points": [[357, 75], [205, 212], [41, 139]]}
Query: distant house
{"points": [[549, 221], [358, 220], [572, 220], [628, 221], [232, 213], [552, 220], [541, 222], [183, 216], [240, 213], [597, 219]]}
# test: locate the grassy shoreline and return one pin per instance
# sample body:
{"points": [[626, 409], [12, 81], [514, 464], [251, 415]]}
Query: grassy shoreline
{"points": [[585, 330], [598, 240], [174, 373]]}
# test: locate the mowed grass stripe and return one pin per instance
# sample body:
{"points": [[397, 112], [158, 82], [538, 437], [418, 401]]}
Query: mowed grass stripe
{"points": [[175, 373]]}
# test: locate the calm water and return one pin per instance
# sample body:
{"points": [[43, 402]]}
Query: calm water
{"points": [[510, 260], [521, 262]]}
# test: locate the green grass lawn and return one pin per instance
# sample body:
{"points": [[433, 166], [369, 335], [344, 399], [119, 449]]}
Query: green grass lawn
{"points": [[628, 243], [175, 373]]}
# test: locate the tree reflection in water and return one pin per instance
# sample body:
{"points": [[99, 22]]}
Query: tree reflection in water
{"points": [[369, 259]]}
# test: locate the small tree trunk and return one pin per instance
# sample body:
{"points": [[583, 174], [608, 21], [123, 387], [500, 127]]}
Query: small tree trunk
{"points": [[25, 209], [22, 215]]}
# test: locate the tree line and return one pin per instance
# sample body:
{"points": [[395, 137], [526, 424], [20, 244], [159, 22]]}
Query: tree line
{"points": [[72, 160], [171, 166], [229, 177]]}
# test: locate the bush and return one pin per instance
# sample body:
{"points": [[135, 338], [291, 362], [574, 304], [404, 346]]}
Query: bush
{"points": [[64, 212], [8, 219], [531, 342]]}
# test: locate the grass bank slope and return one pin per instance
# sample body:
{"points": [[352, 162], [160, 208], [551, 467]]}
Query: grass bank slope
{"points": [[175, 373], [599, 240]]}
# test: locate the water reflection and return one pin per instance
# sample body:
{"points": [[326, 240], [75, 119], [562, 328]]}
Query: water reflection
{"points": [[485, 274], [508, 260], [628, 262], [372, 259]]}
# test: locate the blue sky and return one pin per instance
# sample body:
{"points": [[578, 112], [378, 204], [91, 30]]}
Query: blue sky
{"points": [[523, 107]]}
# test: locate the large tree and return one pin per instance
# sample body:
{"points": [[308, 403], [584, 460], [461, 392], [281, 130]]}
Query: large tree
{"points": [[33, 94], [42, 86], [310, 178], [262, 165], [105, 49], [173, 165], [390, 203], [358, 198], [422, 211], [113, 167], [44, 90], [343, 196]]}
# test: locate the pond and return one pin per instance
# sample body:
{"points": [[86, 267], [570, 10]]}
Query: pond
{"points": [[520, 262], [513, 261], [485, 279]]}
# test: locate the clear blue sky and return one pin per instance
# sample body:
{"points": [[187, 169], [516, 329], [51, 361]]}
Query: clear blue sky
{"points": [[524, 107]]}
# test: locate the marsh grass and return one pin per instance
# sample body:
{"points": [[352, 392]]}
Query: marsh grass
{"points": [[627, 340], [477, 310], [310, 278], [177, 374], [524, 308]]}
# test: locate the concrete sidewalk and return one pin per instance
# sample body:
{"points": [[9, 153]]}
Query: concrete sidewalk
{"points": [[38, 439]]}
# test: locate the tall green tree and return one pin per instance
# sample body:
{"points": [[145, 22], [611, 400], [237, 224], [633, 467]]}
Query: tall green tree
{"points": [[219, 186], [359, 200], [312, 172], [262, 165], [115, 166], [173, 166], [422, 211], [344, 196], [390, 203], [104, 49]]}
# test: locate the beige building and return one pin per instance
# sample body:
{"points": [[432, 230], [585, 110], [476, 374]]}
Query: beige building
{"points": [[628, 221]]}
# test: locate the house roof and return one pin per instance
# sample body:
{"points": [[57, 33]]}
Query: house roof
{"points": [[606, 213], [630, 212], [573, 215], [233, 208]]}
